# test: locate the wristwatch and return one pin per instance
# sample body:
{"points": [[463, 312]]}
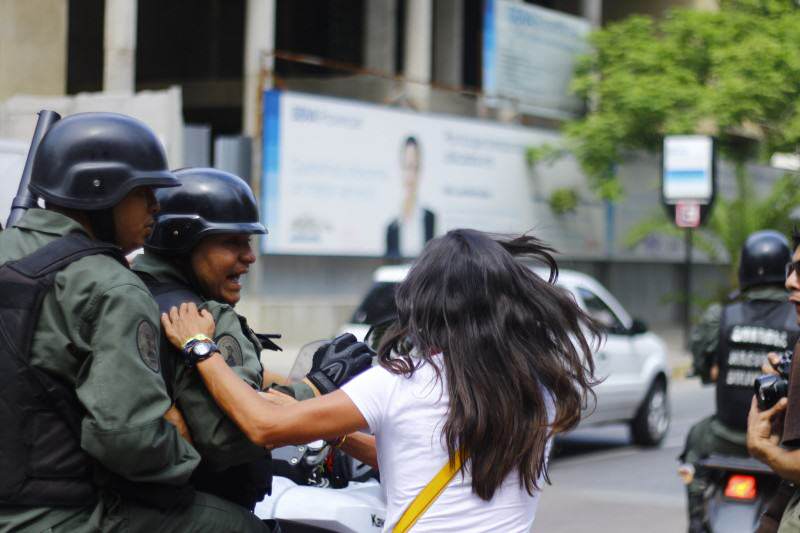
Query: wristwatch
{"points": [[198, 349]]}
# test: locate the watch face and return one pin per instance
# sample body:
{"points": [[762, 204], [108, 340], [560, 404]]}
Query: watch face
{"points": [[201, 348]]}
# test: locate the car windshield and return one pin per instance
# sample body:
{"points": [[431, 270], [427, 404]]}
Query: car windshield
{"points": [[378, 305], [600, 311]]}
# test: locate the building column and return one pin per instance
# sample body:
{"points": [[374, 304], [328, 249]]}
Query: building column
{"points": [[380, 35], [418, 48], [259, 39], [259, 44], [448, 48], [119, 63], [592, 10]]}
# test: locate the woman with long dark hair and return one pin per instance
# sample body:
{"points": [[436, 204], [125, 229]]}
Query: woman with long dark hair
{"points": [[485, 363]]}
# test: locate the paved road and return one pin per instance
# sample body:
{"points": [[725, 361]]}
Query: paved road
{"points": [[603, 484]]}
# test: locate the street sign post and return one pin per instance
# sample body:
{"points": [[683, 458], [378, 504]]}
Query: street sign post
{"points": [[688, 189], [687, 214], [688, 172]]}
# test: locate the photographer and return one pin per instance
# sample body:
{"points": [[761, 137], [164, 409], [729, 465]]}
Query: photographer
{"points": [[772, 439], [729, 347]]}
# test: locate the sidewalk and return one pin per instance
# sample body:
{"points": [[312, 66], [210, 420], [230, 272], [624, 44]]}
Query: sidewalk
{"points": [[679, 360]]}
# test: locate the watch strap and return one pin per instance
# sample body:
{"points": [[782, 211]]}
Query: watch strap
{"points": [[198, 337], [190, 355]]}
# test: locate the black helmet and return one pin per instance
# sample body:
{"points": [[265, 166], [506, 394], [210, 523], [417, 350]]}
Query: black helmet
{"points": [[208, 201], [90, 161], [763, 260]]}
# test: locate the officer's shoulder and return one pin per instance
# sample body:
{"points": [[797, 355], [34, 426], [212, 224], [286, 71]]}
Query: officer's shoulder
{"points": [[219, 309], [99, 273], [227, 318]]}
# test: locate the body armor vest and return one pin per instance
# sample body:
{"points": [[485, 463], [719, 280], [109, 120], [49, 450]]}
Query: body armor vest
{"points": [[244, 484], [41, 459], [748, 332]]}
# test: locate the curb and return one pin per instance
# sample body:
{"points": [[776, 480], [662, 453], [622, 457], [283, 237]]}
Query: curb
{"points": [[681, 370]]}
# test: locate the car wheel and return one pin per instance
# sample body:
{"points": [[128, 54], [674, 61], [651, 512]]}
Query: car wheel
{"points": [[651, 423]]}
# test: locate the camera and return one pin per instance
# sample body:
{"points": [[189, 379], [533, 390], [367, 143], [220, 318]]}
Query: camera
{"points": [[770, 388]]}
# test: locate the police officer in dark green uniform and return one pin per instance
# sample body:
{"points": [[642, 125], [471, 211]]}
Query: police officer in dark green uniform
{"points": [[84, 443], [729, 347], [199, 250]]}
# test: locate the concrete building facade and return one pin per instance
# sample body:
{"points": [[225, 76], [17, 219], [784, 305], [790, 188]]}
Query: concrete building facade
{"points": [[218, 52], [33, 55]]}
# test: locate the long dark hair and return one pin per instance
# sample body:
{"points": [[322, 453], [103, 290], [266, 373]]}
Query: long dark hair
{"points": [[508, 338]]}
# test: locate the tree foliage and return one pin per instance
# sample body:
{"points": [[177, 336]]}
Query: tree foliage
{"points": [[563, 200], [733, 73], [733, 219]]}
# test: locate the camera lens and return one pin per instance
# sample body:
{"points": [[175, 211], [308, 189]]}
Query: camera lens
{"points": [[769, 389]]}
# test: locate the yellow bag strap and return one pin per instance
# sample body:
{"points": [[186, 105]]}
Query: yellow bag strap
{"points": [[427, 495]]}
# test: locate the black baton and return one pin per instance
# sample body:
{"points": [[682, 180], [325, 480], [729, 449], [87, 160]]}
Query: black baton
{"points": [[25, 199]]}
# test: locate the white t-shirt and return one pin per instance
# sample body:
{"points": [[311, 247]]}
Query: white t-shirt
{"points": [[406, 415]]}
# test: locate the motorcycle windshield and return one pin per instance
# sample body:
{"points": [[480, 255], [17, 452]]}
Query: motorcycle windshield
{"points": [[304, 360], [305, 357]]}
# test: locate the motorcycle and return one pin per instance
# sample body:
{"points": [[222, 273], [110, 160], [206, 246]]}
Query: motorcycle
{"points": [[738, 492], [317, 488]]}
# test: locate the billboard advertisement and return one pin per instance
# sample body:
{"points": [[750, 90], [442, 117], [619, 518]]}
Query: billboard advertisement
{"points": [[348, 178], [529, 55]]}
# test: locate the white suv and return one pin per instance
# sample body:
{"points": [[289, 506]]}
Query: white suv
{"points": [[631, 361]]}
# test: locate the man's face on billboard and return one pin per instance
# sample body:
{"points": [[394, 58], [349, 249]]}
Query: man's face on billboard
{"points": [[410, 164]]}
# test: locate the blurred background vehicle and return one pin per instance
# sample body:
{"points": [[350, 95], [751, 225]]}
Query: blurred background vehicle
{"points": [[632, 361]]}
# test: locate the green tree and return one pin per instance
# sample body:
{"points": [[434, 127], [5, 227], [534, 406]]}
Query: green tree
{"points": [[733, 73], [732, 220]]}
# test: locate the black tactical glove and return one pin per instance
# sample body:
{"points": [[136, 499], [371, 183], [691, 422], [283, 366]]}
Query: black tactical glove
{"points": [[338, 361]]}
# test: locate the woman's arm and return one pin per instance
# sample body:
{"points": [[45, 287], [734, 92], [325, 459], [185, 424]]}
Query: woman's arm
{"points": [[362, 447], [273, 377], [358, 445], [264, 423]]}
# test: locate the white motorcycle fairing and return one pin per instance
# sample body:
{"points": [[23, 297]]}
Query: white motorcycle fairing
{"points": [[358, 508]]}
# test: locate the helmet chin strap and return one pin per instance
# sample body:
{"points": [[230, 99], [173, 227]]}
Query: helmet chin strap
{"points": [[184, 263], [102, 222]]}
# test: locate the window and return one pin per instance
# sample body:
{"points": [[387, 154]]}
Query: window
{"points": [[85, 46], [598, 310], [198, 44], [333, 30]]}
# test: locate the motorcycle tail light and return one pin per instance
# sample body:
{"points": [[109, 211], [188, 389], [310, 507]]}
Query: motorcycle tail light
{"points": [[741, 487]]}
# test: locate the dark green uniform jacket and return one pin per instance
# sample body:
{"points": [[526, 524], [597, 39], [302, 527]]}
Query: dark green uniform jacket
{"points": [[216, 437], [95, 332]]}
